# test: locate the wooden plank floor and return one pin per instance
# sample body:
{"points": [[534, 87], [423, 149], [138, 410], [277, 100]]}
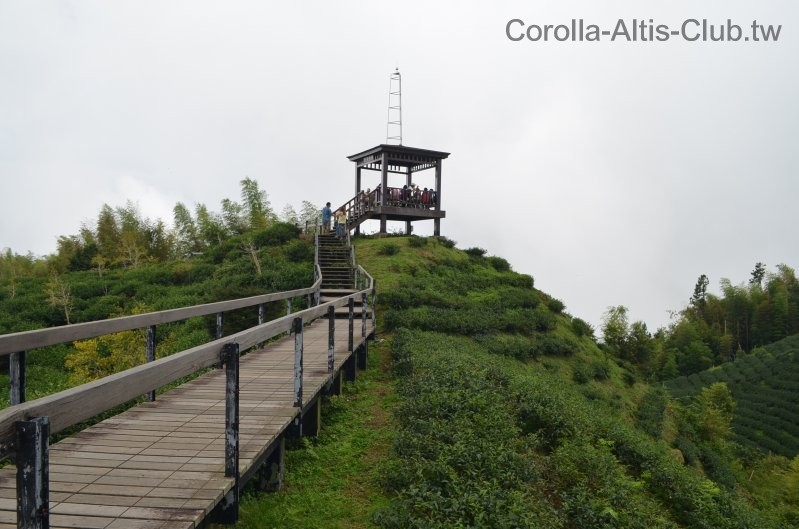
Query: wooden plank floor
{"points": [[160, 465]]}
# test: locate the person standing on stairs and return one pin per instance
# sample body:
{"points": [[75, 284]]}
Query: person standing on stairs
{"points": [[341, 223], [326, 214]]}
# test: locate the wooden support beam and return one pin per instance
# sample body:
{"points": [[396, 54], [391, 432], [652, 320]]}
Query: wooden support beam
{"points": [[33, 479], [270, 475], [364, 306], [331, 338], [16, 372], [297, 362], [312, 419], [229, 512], [374, 308], [383, 179], [261, 314], [220, 325], [149, 352], [351, 309]]}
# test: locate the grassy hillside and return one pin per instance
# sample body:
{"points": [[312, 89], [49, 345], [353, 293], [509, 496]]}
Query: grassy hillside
{"points": [[765, 386], [223, 272], [509, 414]]}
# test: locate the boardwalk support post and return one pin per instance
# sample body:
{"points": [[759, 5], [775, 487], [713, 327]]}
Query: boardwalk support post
{"points": [[220, 325], [363, 315], [150, 355], [16, 371], [350, 365], [229, 508], [295, 428], [261, 314], [374, 309], [297, 325], [363, 350], [331, 337], [270, 475], [33, 480]]}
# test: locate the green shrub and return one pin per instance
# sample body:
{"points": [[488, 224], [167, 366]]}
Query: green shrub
{"points": [[582, 328], [556, 305], [445, 241], [499, 264], [600, 370], [276, 234], [582, 374], [475, 252], [554, 345], [389, 248], [415, 241], [650, 412], [298, 251]]}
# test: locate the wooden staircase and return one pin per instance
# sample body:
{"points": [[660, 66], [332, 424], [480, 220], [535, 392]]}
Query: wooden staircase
{"points": [[338, 273]]}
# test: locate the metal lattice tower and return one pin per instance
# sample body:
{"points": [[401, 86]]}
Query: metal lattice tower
{"points": [[394, 125]]}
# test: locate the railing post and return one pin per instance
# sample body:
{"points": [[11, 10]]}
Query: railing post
{"points": [[33, 475], [297, 362], [16, 372], [351, 306], [331, 335], [363, 315], [288, 313], [374, 308], [220, 325], [230, 505], [150, 355], [261, 313]]}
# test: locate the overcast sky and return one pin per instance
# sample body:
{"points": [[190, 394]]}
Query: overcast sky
{"points": [[613, 172]]}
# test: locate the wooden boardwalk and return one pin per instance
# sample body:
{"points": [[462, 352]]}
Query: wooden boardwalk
{"points": [[160, 465]]}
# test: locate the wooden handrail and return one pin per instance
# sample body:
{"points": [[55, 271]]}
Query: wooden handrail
{"points": [[77, 404], [26, 340]]}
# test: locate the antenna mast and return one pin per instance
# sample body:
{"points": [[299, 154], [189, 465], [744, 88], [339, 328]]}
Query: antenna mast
{"points": [[394, 125]]}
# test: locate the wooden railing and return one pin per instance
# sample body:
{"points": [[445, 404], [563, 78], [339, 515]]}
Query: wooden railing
{"points": [[359, 205], [25, 427], [16, 344]]}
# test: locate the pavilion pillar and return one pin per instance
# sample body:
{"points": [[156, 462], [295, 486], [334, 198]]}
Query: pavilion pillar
{"points": [[437, 221], [384, 188], [438, 184], [357, 192], [384, 178]]}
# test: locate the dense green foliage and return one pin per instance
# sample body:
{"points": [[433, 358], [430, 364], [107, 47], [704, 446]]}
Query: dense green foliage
{"points": [[712, 329], [510, 415], [765, 386], [273, 258]]}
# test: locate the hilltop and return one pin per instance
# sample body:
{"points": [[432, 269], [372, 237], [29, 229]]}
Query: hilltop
{"points": [[511, 414]]}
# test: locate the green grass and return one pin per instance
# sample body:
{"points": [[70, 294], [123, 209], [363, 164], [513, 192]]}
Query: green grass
{"points": [[333, 481]]}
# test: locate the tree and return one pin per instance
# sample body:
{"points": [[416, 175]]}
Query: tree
{"points": [[758, 274], [289, 214], [310, 214], [235, 224], [615, 327], [639, 345], [249, 248], [59, 294], [699, 298], [108, 233], [187, 237], [715, 407], [209, 226], [256, 204]]}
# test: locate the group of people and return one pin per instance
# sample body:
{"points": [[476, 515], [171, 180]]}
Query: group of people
{"points": [[412, 196], [339, 219], [408, 196]]}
